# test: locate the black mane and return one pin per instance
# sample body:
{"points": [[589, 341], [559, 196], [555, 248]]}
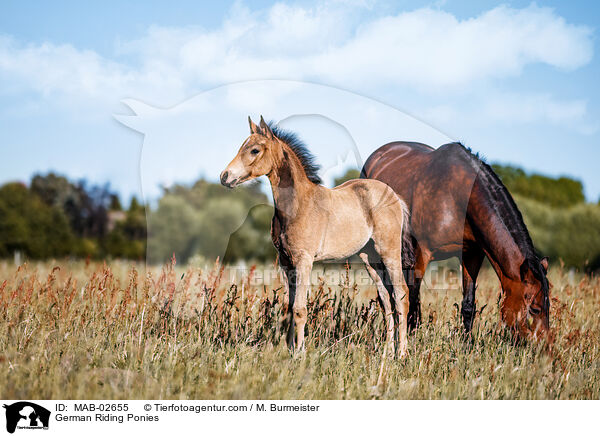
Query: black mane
{"points": [[311, 168], [505, 206]]}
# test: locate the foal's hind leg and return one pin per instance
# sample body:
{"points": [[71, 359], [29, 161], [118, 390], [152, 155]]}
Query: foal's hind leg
{"points": [[390, 251], [384, 300], [394, 267]]}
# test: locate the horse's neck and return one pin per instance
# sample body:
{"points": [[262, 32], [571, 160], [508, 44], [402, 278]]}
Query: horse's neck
{"points": [[501, 247], [291, 187], [505, 260]]}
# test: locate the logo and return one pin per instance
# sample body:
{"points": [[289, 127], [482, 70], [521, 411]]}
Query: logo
{"points": [[26, 415]]}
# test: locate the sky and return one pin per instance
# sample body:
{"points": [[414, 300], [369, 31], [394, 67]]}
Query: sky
{"points": [[515, 81]]}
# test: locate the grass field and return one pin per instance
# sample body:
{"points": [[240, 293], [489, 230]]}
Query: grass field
{"points": [[73, 331]]}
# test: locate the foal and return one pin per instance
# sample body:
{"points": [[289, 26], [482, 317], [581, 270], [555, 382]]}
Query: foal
{"points": [[313, 223]]}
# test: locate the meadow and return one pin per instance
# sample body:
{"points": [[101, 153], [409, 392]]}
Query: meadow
{"points": [[121, 330]]}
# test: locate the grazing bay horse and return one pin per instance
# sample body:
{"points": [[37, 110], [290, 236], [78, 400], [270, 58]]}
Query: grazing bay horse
{"points": [[459, 207], [313, 223]]}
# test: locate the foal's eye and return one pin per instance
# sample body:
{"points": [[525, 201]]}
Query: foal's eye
{"points": [[254, 151]]}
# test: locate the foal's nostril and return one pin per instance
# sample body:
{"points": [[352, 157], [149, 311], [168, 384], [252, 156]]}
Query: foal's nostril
{"points": [[224, 176]]}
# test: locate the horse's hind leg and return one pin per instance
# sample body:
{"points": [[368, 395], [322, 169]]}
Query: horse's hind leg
{"points": [[384, 300]]}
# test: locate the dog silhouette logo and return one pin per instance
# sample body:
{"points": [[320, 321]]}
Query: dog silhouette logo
{"points": [[26, 415]]}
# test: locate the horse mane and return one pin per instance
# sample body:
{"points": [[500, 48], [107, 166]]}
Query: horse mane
{"points": [[311, 168], [505, 206]]}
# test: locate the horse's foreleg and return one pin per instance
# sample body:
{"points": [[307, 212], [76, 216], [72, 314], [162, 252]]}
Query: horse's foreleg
{"points": [[414, 299], [299, 309], [384, 301], [471, 263]]}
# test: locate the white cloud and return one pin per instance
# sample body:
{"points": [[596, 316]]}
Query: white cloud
{"points": [[433, 48], [49, 68], [428, 50], [423, 48]]}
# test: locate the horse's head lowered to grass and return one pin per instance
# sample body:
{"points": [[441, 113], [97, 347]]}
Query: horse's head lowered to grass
{"points": [[526, 306]]}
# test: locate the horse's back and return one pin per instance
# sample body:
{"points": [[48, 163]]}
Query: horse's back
{"points": [[399, 153], [381, 206], [435, 183], [372, 194]]}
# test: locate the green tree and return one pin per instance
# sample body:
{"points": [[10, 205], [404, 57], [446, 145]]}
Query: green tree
{"points": [[200, 219], [128, 237], [555, 192], [115, 203], [29, 225], [86, 207], [173, 229], [571, 234], [253, 239]]}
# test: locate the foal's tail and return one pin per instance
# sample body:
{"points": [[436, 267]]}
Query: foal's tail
{"points": [[408, 246]]}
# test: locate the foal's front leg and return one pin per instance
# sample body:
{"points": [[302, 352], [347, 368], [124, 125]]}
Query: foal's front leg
{"points": [[290, 285], [299, 309]]}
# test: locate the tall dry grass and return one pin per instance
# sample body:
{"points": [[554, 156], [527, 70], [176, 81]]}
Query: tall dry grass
{"points": [[121, 331]]}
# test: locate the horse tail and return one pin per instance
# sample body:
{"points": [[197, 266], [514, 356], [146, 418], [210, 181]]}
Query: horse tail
{"points": [[408, 246]]}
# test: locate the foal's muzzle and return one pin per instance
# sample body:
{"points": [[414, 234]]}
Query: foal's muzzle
{"points": [[225, 182]]}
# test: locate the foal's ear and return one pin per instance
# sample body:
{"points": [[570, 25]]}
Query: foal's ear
{"points": [[253, 127], [266, 130], [544, 263]]}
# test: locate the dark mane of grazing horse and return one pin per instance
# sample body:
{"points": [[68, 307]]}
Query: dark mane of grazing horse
{"points": [[504, 204], [311, 168]]}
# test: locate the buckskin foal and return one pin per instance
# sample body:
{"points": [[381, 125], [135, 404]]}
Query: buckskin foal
{"points": [[313, 223]]}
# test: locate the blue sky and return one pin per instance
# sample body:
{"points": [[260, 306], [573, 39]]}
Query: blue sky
{"points": [[516, 81]]}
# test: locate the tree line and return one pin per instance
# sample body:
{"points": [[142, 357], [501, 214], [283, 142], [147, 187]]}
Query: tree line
{"points": [[55, 217], [562, 225]]}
